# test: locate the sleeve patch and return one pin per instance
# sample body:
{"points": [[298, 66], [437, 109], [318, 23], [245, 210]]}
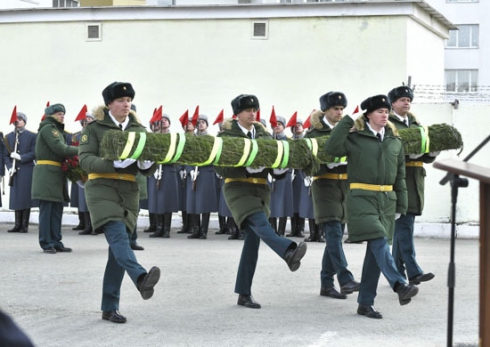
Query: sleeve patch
{"points": [[55, 133], [84, 139]]}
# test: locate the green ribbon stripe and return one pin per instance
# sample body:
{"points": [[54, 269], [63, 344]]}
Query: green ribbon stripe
{"points": [[253, 154], [218, 155], [423, 139], [141, 145], [285, 158], [180, 148]]}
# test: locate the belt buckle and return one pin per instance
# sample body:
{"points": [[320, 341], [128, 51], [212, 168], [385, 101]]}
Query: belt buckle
{"points": [[120, 176], [340, 176], [255, 180]]}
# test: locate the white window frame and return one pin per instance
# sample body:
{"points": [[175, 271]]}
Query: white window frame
{"points": [[474, 30], [473, 80]]}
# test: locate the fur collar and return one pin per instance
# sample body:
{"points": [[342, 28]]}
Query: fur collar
{"points": [[360, 125], [99, 113]]}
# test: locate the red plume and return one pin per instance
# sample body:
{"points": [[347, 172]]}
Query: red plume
{"points": [[356, 110], [44, 115], [219, 118], [184, 119], [257, 116], [292, 121], [273, 119], [82, 114], [307, 124], [13, 118], [195, 117]]}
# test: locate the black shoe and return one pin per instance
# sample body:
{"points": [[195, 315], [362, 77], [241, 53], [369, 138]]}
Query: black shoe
{"points": [[85, 232], [113, 316], [50, 251], [406, 292], [147, 281], [332, 292], [421, 278], [350, 287], [62, 249], [368, 311], [247, 301], [136, 247], [347, 240], [79, 227], [293, 256]]}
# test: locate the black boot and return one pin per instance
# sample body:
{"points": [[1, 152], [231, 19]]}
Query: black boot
{"points": [[281, 229], [195, 226], [273, 223], [185, 223], [81, 222], [300, 227], [18, 222], [236, 234], [222, 225], [88, 225], [167, 222], [24, 226], [319, 233], [153, 224], [204, 226], [294, 223], [159, 228], [313, 231]]}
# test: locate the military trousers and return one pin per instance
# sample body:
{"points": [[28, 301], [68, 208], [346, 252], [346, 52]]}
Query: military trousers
{"points": [[334, 261], [121, 259], [377, 260], [256, 227], [50, 214], [403, 248]]}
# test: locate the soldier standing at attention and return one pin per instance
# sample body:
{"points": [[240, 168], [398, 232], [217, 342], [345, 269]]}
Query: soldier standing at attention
{"points": [[112, 196], [49, 181], [20, 174], [329, 190], [247, 195], [403, 249], [377, 195]]}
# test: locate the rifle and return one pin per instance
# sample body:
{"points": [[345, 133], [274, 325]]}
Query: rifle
{"points": [[194, 174], [13, 171]]}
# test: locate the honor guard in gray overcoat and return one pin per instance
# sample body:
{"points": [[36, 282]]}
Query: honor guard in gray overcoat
{"points": [[49, 183], [163, 194], [201, 189], [329, 190], [403, 249], [281, 190], [19, 160]]}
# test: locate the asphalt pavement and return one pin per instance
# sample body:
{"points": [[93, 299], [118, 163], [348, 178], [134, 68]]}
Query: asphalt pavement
{"points": [[55, 299]]}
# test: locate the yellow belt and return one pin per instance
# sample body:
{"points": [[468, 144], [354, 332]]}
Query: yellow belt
{"points": [[48, 162], [113, 176], [331, 176], [414, 163], [252, 180], [373, 187]]}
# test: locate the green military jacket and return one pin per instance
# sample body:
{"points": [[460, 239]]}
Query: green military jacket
{"points": [[48, 180], [109, 199], [371, 213], [329, 196], [243, 198], [415, 176]]}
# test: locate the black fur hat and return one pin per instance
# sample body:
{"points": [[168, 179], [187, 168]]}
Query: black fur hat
{"points": [[243, 102], [332, 99], [375, 102], [117, 90], [400, 92]]}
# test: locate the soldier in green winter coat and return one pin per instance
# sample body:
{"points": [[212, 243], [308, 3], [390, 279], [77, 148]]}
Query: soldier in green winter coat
{"points": [[112, 196], [329, 190], [48, 180], [376, 172], [403, 249], [247, 195]]}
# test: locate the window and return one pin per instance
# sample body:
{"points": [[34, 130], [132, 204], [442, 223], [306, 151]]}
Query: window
{"points": [[260, 30], [461, 81], [94, 32], [65, 3], [467, 36]]}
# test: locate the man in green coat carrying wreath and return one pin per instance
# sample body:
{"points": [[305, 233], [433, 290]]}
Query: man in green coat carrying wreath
{"points": [[247, 195], [112, 196], [376, 197]]}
